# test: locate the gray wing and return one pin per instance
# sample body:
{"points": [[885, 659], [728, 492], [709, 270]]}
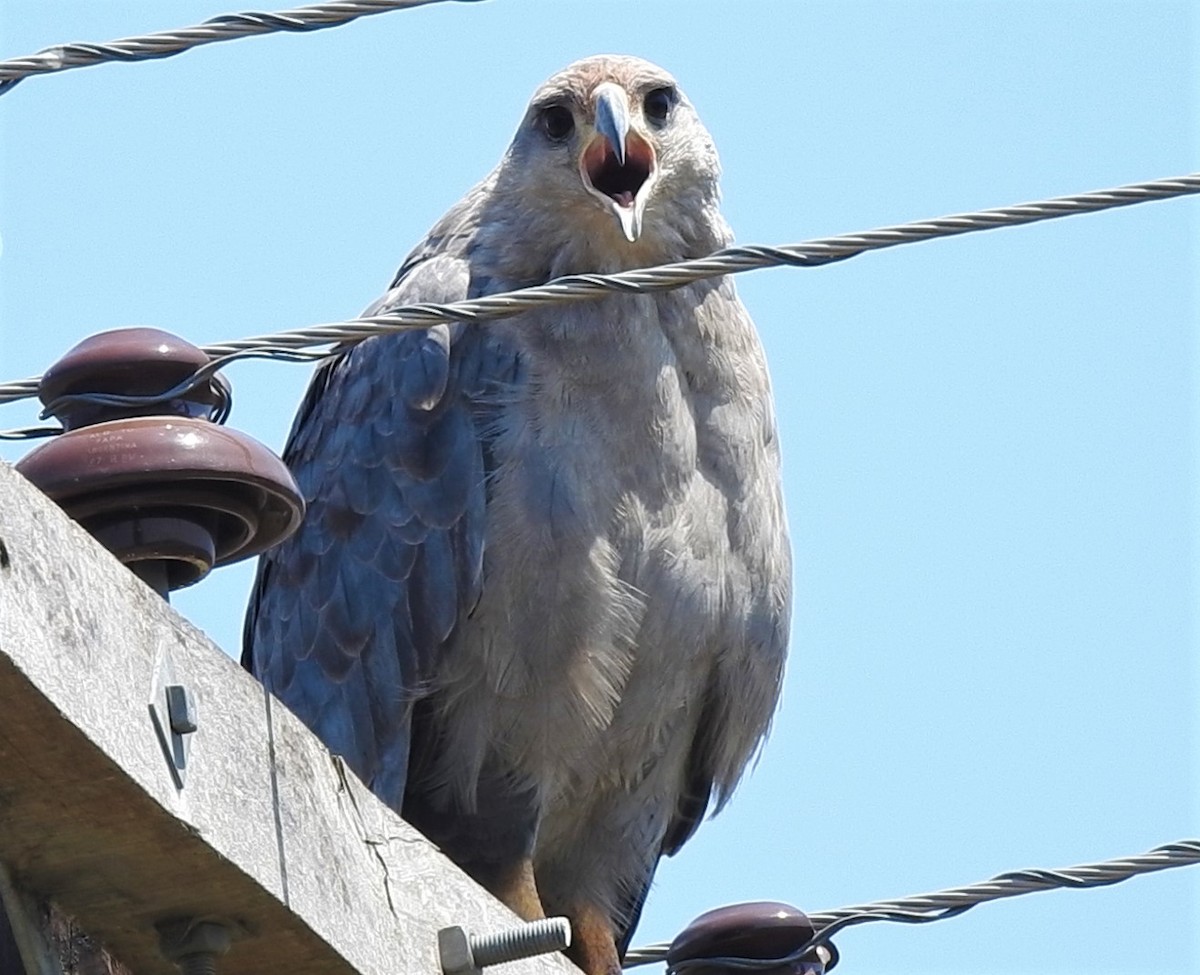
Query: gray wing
{"points": [[346, 617]]}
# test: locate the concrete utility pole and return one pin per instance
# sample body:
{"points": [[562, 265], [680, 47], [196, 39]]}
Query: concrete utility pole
{"points": [[267, 834]]}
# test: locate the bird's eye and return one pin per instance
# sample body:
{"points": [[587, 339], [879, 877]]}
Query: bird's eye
{"points": [[658, 104], [557, 122]]}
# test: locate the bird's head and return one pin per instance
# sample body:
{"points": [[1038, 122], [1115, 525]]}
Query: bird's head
{"points": [[611, 148]]}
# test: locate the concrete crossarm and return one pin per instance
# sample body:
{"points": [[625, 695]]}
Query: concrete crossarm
{"points": [[269, 830]]}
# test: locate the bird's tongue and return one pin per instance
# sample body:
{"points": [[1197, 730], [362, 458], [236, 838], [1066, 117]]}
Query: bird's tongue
{"points": [[614, 179]]}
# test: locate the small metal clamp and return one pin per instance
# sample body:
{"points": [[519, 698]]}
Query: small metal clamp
{"points": [[175, 716]]}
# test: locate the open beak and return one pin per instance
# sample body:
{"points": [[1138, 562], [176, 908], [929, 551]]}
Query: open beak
{"points": [[618, 165]]}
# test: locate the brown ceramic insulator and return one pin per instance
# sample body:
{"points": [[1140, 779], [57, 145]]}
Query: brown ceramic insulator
{"points": [[170, 494], [129, 362], [759, 930]]}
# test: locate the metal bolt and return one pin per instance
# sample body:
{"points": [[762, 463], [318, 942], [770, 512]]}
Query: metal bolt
{"points": [[181, 709], [465, 954], [194, 945]]}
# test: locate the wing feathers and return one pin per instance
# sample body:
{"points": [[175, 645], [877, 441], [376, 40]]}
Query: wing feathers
{"points": [[347, 617]]}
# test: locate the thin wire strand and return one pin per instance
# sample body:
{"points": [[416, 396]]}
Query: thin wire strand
{"points": [[205, 375], [30, 433], [165, 44], [731, 260], [943, 904]]}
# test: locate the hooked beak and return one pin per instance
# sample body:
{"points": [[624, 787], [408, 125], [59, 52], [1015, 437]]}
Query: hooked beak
{"points": [[618, 165]]}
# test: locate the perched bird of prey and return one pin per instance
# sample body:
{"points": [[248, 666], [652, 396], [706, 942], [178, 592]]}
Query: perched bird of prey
{"points": [[540, 600]]}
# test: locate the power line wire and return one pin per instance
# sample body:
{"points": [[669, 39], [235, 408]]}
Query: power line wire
{"points": [[731, 260], [943, 904], [165, 44]]}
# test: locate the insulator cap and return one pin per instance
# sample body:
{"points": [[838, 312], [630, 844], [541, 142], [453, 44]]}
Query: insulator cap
{"points": [[168, 489], [128, 362], [759, 930]]}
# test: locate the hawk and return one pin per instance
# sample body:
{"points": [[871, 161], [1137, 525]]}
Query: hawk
{"points": [[540, 601]]}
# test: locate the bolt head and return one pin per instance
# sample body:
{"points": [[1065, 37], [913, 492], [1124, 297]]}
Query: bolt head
{"points": [[454, 951]]}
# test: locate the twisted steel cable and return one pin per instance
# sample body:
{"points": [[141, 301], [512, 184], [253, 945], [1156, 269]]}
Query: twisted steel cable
{"points": [[164, 44], [943, 904], [730, 260]]}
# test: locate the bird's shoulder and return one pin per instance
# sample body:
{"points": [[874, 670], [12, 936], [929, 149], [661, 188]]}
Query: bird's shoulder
{"points": [[449, 244]]}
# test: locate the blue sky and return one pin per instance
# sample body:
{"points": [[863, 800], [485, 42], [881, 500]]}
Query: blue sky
{"points": [[990, 442]]}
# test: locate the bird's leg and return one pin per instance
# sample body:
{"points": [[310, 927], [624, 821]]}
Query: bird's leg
{"points": [[494, 842], [593, 941], [514, 885]]}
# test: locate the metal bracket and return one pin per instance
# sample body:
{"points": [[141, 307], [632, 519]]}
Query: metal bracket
{"points": [[173, 711]]}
